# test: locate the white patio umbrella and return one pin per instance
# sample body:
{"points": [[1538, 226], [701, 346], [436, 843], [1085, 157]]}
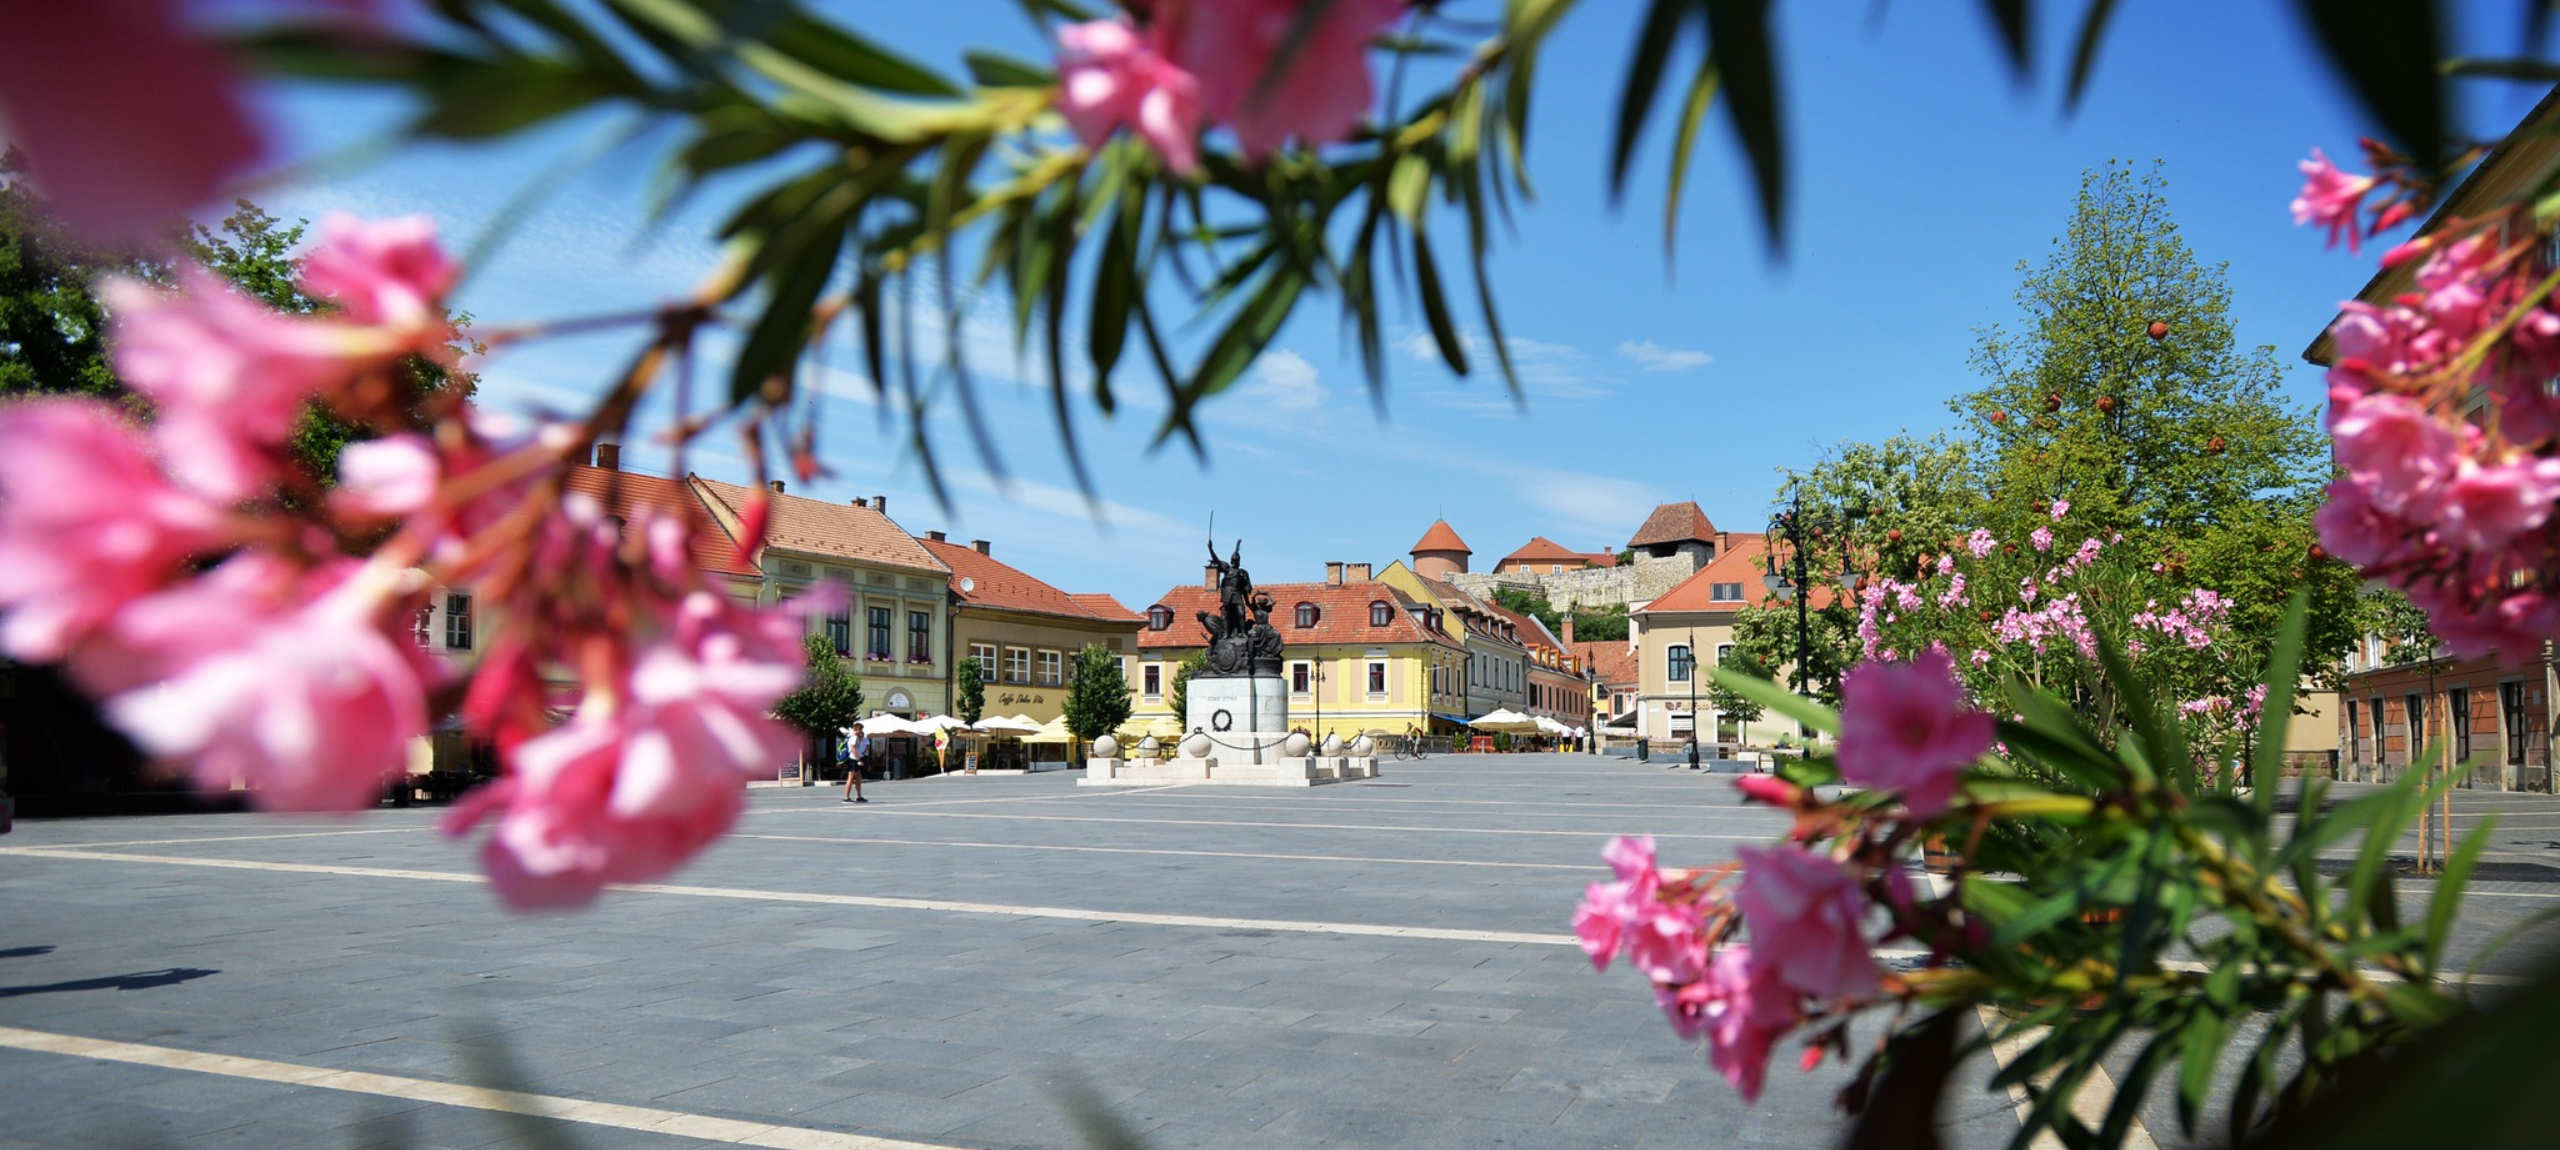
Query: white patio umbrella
{"points": [[1002, 725], [891, 725], [1552, 727], [942, 723], [1504, 721]]}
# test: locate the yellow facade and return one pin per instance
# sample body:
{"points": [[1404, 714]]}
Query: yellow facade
{"points": [[1329, 686], [1026, 658]]}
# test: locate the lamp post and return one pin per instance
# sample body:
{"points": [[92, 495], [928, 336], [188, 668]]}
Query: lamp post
{"points": [[1692, 671], [1791, 526]]}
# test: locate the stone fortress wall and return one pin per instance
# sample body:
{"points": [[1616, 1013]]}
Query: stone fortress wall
{"points": [[1593, 588]]}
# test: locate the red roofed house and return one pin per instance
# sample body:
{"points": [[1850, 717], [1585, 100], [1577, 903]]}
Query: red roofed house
{"points": [[1695, 620], [1612, 666], [1440, 553], [1544, 556], [1361, 656], [1557, 687], [1024, 633]]}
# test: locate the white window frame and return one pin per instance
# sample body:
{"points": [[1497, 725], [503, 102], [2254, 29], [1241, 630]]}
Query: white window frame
{"points": [[1151, 680], [1381, 685], [1017, 665], [1302, 679], [1050, 668]]}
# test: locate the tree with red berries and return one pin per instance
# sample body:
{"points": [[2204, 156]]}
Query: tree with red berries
{"points": [[2156, 423]]}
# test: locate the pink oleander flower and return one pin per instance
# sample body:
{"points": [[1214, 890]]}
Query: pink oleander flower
{"points": [[2061, 507], [648, 772], [227, 375], [1946, 565], [1112, 76], [1980, 543], [2399, 444], [129, 118], [1665, 941], [1231, 44], [1804, 912], [2331, 197], [381, 273], [1905, 729], [2042, 537], [387, 477], [1631, 857], [1770, 789], [289, 681], [2485, 507], [87, 523], [1599, 922], [1740, 1010]]}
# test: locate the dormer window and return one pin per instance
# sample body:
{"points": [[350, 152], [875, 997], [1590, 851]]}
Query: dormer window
{"points": [[1380, 614], [1307, 615], [1159, 618]]}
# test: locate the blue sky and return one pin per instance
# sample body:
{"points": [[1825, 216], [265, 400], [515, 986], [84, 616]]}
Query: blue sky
{"points": [[1923, 176]]}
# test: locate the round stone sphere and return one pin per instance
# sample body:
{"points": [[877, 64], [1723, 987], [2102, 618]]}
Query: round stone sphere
{"points": [[1332, 744], [1149, 748], [1106, 747], [1196, 746], [1295, 746], [1363, 747]]}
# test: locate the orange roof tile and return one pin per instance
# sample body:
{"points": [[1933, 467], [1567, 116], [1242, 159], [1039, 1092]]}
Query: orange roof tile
{"points": [[1441, 537], [1611, 660], [1104, 605], [624, 493], [1542, 549], [1744, 564], [1000, 586], [1674, 523], [1342, 615], [821, 527]]}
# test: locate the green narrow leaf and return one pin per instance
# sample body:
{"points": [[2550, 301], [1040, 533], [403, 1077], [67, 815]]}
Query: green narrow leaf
{"points": [[1644, 78], [1693, 113], [1435, 305], [2387, 53], [991, 70], [1738, 32], [1237, 346], [1114, 285], [1062, 237], [2284, 673], [2084, 55], [2448, 894], [2015, 38], [2380, 836], [1407, 187], [2523, 68], [784, 326], [834, 49]]}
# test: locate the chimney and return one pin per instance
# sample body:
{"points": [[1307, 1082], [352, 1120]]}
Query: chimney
{"points": [[775, 484], [1724, 543], [1333, 574], [937, 537], [1209, 576], [982, 547], [859, 501], [609, 456], [880, 503], [1355, 572], [1568, 629]]}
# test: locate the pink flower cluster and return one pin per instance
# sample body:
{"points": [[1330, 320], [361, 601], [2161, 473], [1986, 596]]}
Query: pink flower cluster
{"points": [[2445, 428], [2192, 622], [1194, 64], [236, 616], [1903, 728]]}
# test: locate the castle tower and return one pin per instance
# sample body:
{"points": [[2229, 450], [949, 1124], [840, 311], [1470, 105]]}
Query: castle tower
{"points": [[1440, 553]]}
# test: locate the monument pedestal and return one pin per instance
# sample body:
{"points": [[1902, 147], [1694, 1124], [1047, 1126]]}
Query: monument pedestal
{"points": [[1245, 716]]}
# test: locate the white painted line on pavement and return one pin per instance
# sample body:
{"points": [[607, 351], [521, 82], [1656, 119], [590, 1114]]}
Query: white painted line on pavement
{"points": [[243, 838], [1302, 826], [823, 899], [645, 1119], [1590, 867]]}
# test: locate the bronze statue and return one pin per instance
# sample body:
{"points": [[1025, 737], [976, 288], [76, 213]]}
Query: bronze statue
{"points": [[1241, 638]]}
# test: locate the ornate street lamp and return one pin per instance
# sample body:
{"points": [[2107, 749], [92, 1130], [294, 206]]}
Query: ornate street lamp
{"points": [[1792, 526]]}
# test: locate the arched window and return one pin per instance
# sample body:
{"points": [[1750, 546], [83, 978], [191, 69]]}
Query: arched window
{"points": [[1307, 614], [1680, 663], [1380, 614], [1159, 617]]}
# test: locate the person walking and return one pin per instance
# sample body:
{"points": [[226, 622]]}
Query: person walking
{"points": [[853, 768]]}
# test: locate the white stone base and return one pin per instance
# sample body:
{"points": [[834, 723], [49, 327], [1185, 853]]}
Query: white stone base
{"points": [[1255, 710], [1302, 771]]}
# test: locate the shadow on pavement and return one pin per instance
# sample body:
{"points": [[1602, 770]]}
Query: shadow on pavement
{"points": [[142, 981]]}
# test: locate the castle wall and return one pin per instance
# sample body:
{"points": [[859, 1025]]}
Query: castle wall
{"points": [[1593, 587]]}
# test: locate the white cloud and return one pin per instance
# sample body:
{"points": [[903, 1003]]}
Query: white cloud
{"points": [[1285, 380], [1551, 372], [1656, 357]]}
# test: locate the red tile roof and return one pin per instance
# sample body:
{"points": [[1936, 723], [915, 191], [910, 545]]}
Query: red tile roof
{"points": [[1611, 660], [1441, 537], [1674, 523], [821, 527], [1541, 549], [1105, 606], [1744, 564], [1342, 615], [1001, 586], [624, 493]]}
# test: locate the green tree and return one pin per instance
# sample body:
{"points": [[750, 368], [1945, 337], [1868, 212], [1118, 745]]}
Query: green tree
{"points": [[1875, 508], [1181, 692], [828, 700], [2182, 439], [971, 681], [1607, 623], [1098, 699]]}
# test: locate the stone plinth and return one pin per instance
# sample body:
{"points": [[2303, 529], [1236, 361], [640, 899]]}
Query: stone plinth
{"points": [[1245, 716]]}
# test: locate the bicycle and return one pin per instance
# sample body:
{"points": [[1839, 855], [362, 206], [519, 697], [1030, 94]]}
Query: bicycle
{"points": [[1410, 747]]}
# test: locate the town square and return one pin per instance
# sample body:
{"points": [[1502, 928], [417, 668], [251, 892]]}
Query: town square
{"points": [[1047, 574]]}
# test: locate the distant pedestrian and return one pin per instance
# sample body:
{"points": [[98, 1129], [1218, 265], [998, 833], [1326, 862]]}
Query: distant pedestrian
{"points": [[853, 768]]}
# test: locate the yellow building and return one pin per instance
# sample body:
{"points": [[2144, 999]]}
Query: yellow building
{"points": [[1692, 624], [1025, 633], [1495, 675], [893, 624], [1360, 657]]}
